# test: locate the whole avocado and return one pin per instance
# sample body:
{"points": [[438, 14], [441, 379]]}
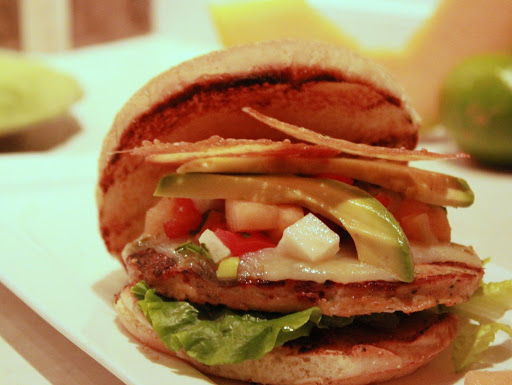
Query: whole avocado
{"points": [[476, 107]]}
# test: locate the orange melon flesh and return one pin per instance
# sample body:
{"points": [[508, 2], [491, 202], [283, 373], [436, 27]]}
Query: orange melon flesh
{"points": [[454, 32], [250, 216], [481, 377]]}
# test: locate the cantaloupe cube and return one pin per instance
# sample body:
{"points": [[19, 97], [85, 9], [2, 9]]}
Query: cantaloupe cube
{"points": [[309, 239], [203, 205], [287, 216], [417, 228], [484, 377], [250, 216], [157, 215]]}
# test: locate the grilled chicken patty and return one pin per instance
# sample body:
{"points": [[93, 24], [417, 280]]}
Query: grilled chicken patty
{"points": [[435, 283]]}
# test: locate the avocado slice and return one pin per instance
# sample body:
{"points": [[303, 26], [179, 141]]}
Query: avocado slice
{"points": [[378, 237], [426, 186]]}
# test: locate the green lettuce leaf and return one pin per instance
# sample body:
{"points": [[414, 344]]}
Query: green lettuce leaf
{"points": [[215, 335], [480, 324], [472, 340], [489, 303]]}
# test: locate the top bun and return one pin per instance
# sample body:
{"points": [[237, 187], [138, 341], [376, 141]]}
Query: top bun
{"points": [[316, 85]]}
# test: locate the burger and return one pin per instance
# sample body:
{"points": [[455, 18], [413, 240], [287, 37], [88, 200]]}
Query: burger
{"points": [[262, 202]]}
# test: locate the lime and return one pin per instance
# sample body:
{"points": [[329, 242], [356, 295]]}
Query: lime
{"points": [[476, 107]]}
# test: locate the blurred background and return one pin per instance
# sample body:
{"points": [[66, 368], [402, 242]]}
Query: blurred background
{"points": [[418, 41], [47, 26], [67, 66], [51, 25]]}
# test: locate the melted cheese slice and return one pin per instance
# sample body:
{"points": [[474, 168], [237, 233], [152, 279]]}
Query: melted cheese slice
{"points": [[345, 268]]}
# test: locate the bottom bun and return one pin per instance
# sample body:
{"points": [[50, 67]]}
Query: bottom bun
{"points": [[354, 355]]}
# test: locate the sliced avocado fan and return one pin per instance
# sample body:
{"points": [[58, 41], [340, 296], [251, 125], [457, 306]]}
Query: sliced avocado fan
{"points": [[426, 186]]}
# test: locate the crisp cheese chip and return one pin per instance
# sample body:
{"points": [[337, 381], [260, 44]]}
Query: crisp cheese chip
{"points": [[345, 146], [181, 152]]}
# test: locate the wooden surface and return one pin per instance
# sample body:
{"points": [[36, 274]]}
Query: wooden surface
{"points": [[65, 24], [39, 354], [9, 25], [96, 21]]}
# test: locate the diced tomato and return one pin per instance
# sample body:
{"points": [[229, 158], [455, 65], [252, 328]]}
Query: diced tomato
{"points": [[185, 218], [214, 220], [410, 207], [242, 243], [383, 199], [338, 177], [422, 222], [418, 228], [440, 225]]}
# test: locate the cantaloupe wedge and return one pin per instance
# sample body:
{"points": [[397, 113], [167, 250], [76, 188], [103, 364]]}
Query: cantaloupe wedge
{"points": [[486, 377], [455, 31]]}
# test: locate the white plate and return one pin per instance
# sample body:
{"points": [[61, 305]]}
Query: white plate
{"points": [[54, 260]]}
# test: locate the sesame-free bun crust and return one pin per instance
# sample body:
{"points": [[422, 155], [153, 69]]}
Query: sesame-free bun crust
{"points": [[316, 85], [354, 355]]}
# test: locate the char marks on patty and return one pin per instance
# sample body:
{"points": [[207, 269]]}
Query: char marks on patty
{"points": [[434, 283]]}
